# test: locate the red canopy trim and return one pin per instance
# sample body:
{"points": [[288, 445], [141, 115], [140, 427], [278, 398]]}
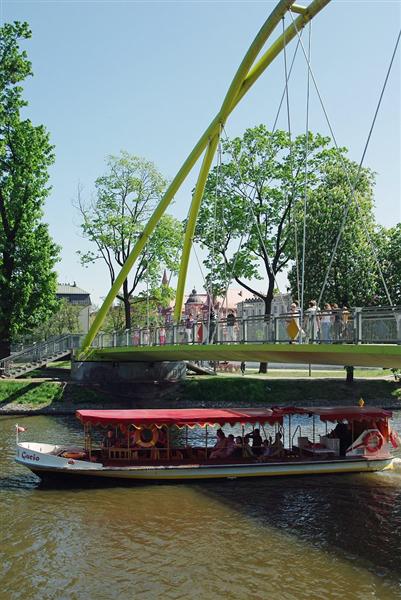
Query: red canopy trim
{"points": [[180, 417], [340, 413]]}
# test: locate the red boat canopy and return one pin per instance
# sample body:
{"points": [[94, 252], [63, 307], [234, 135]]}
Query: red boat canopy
{"points": [[181, 417], [350, 413], [206, 416]]}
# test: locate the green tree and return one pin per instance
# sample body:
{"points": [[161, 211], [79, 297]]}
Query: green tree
{"points": [[125, 198], [64, 320], [250, 199], [352, 279], [144, 309], [389, 251], [27, 252]]}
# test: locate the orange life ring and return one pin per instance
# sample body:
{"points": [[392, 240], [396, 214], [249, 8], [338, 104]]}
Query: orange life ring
{"points": [[148, 442], [373, 441], [76, 455]]}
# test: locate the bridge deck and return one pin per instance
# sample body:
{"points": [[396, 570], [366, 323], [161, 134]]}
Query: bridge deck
{"points": [[363, 355]]}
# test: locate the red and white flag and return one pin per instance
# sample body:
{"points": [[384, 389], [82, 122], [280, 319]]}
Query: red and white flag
{"points": [[20, 429]]}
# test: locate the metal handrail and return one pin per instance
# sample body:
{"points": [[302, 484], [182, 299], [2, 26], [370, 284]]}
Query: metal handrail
{"points": [[40, 351], [293, 435], [353, 326]]}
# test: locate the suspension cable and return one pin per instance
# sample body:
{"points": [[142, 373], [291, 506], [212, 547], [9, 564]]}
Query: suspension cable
{"points": [[352, 186], [216, 197], [305, 203], [147, 293], [287, 95]]}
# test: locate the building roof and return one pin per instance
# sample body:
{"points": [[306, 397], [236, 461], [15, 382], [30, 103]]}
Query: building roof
{"points": [[68, 290], [195, 298]]}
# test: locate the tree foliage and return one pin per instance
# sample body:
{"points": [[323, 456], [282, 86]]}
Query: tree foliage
{"points": [[249, 201], [125, 197], [389, 253], [27, 252], [352, 279], [64, 320]]}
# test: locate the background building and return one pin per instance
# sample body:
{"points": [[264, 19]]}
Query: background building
{"points": [[78, 297], [255, 307]]}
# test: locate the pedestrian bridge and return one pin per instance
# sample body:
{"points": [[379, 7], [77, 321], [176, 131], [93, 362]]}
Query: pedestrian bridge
{"points": [[365, 337], [362, 337], [367, 355]]}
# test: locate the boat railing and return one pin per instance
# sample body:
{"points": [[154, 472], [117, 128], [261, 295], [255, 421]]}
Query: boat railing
{"points": [[296, 430]]}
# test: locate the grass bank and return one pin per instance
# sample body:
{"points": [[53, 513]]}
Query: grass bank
{"points": [[34, 395]]}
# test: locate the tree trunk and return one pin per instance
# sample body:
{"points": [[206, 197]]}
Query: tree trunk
{"points": [[350, 375], [5, 343], [263, 367], [127, 305], [268, 307], [6, 301]]}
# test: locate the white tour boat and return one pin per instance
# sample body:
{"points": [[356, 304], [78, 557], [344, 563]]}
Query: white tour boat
{"points": [[181, 444]]}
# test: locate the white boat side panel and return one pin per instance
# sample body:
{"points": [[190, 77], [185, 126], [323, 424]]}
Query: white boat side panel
{"points": [[222, 472], [38, 455]]}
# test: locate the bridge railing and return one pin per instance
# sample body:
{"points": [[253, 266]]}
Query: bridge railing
{"points": [[39, 353], [378, 325]]}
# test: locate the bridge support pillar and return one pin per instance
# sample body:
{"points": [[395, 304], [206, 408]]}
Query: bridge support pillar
{"points": [[116, 372]]}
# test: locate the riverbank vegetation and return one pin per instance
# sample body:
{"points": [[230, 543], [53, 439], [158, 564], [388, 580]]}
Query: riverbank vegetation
{"points": [[59, 396], [204, 391], [247, 391]]}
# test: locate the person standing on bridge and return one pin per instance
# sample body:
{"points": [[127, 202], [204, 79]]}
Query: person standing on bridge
{"points": [[326, 324], [230, 326], [189, 328], [312, 321], [212, 325]]}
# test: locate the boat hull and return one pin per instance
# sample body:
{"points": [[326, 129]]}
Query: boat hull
{"points": [[41, 461]]}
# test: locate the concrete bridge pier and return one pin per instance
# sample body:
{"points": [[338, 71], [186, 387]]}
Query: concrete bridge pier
{"points": [[110, 373]]}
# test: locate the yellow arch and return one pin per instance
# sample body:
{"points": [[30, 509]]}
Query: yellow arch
{"points": [[245, 77]]}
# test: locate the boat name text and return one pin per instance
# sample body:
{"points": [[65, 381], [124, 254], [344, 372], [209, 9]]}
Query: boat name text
{"points": [[30, 456]]}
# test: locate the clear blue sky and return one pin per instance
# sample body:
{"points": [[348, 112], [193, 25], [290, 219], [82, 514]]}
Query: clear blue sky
{"points": [[148, 77]]}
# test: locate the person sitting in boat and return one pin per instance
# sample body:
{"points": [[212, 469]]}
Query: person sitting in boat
{"points": [[242, 448], [220, 446], [230, 446], [237, 451], [342, 432], [162, 438], [257, 442], [247, 451], [109, 439], [275, 449]]}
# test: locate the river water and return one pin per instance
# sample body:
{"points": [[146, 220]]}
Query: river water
{"points": [[303, 538]]}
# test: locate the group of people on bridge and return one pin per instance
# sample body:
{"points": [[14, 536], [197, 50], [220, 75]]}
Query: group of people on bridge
{"points": [[331, 324]]}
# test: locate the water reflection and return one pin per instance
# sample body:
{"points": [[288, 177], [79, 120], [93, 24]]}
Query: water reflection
{"points": [[305, 537], [359, 516]]}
